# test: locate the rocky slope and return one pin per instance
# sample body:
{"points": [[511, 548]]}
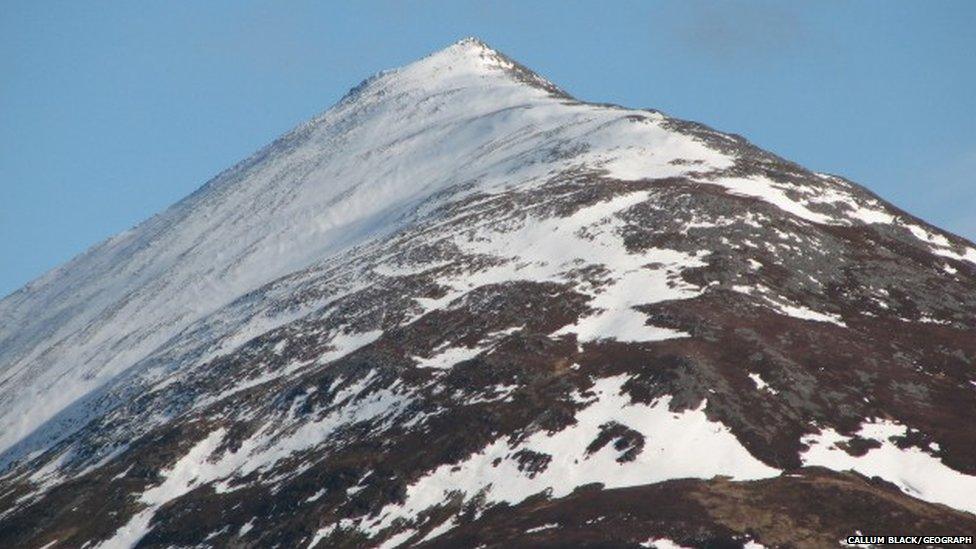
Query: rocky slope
{"points": [[462, 308]]}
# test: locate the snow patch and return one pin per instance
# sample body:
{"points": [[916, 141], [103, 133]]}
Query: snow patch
{"points": [[677, 445], [762, 385], [246, 527], [448, 357], [940, 245], [917, 473], [805, 313], [179, 479], [662, 543]]}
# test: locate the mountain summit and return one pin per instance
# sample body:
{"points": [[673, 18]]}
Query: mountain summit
{"points": [[462, 308]]}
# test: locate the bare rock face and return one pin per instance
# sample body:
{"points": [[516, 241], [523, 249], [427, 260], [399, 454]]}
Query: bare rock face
{"points": [[461, 308]]}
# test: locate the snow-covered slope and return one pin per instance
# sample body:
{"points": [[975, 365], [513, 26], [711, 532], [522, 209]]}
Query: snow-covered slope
{"points": [[460, 287], [459, 120]]}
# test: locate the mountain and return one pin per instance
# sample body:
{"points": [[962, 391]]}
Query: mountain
{"points": [[461, 308]]}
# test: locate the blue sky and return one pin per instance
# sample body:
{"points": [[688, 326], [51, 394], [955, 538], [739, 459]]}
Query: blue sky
{"points": [[111, 111]]}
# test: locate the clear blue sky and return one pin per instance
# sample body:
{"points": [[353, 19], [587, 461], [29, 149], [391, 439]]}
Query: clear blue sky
{"points": [[111, 111]]}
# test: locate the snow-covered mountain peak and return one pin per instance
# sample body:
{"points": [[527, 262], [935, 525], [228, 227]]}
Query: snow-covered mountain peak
{"points": [[466, 55], [470, 46], [466, 64], [559, 294], [464, 120], [472, 42]]}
